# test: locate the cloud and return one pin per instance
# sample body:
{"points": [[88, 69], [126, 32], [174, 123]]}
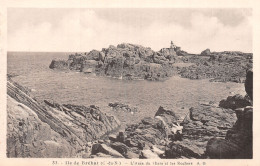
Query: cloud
{"points": [[86, 30]]}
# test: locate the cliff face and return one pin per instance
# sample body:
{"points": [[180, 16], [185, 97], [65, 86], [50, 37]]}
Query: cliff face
{"points": [[51, 130], [128, 61]]}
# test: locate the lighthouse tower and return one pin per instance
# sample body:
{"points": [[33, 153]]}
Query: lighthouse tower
{"points": [[172, 45]]}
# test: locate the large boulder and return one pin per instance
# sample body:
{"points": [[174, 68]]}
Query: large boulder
{"points": [[148, 154], [177, 151], [103, 148], [202, 123], [236, 101], [168, 53], [238, 141], [95, 55], [205, 52], [222, 149], [59, 64]]}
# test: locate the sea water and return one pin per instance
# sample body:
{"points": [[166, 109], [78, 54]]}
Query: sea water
{"points": [[70, 87]]}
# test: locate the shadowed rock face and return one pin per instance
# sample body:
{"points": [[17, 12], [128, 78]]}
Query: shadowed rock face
{"points": [[239, 139], [53, 130], [249, 83], [234, 102], [59, 64], [28, 136]]}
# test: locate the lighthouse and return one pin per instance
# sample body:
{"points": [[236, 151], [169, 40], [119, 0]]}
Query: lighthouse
{"points": [[172, 45]]}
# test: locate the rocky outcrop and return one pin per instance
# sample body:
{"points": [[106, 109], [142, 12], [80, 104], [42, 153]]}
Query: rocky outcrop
{"points": [[88, 123], [238, 142], [162, 137], [127, 61], [146, 139], [59, 64], [203, 123], [123, 107], [236, 101], [51, 130], [218, 66], [205, 52], [28, 136]]}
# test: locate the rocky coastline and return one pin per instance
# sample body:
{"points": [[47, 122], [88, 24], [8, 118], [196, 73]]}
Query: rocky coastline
{"points": [[207, 131], [218, 66], [130, 61], [126, 61]]}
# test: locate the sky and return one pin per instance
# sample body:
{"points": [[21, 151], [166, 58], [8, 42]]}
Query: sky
{"points": [[81, 30]]}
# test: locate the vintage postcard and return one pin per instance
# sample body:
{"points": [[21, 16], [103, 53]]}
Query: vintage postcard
{"points": [[151, 83]]}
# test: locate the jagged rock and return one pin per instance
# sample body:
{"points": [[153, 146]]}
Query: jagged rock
{"points": [[148, 154], [70, 127], [153, 131], [103, 148], [59, 64], [176, 151], [123, 107], [127, 61], [26, 134], [157, 150], [121, 137], [234, 102], [219, 67], [112, 137], [120, 147], [130, 143], [88, 66], [204, 122], [131, 155], [205, 52], [95, 55], [212, 119], [241, 133]]}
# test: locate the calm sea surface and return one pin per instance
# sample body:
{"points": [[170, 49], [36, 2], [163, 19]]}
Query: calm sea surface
{"points": [[175, 93]]}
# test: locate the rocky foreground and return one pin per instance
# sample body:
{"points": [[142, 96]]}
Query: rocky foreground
{"points": [[49, 129], [130, 61]]}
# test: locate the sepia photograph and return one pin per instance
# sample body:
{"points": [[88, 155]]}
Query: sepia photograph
{"points": [[129, 83]]}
